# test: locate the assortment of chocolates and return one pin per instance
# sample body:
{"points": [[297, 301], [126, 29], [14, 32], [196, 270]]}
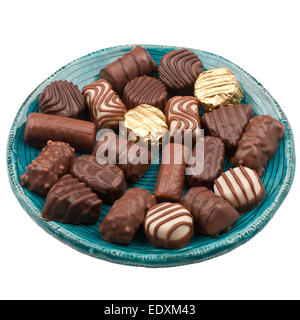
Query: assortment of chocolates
{"points": [[150, 107]]}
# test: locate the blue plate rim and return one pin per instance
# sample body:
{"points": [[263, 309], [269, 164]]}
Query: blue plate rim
{"points": [[174, 258]]}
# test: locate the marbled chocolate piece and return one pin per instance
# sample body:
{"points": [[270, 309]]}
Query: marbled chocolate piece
{"points": [[62, 98], [179, 69], [169, 225], [145, 90], [133, 64], [71, 201], [258, 143], [227, 123], [107, 180], [41, 127], [240, 186], [105, 107], [126, 216], [212, 214], [213, 162], [46, 169]]}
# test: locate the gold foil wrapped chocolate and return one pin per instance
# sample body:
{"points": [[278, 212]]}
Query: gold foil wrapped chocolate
{"points": [[217, 87], [146, 124]]}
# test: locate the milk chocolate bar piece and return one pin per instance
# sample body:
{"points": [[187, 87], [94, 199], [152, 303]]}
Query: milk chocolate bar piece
{"points": [[259, 143], [126, 216], [228, 123], [170, 181], [212, 214], [133, 64], [41, 127], [169, 225], [132, 159], [107, 180], [46, 169], [71, 201], [212, 164]]}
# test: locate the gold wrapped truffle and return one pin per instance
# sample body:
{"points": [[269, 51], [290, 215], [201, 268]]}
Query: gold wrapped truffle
{"points": [[145, 123], [217, 87]]}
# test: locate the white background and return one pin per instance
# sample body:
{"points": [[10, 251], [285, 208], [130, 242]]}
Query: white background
{"points": [[39, 37]]}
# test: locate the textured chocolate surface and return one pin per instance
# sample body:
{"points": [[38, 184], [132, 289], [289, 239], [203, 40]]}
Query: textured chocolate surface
{"points": [[45, 170], [179, 69], [107, 180], [258, 143], [41, 127], [169, 225], [62, 98], [212, 214], [127, 155], [145, 90], [71, 201], [170, 180], [133, 64], [213, 157], [105, 107], [126, 216], [227, 123]]}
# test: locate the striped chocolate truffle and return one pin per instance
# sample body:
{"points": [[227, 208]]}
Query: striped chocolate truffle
{"points": [[105, 107], [169, 225], [179, 69], [61, 98], [240, 186], [145, 90]]}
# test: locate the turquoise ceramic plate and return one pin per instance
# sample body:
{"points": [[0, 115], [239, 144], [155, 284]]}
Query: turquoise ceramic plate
{"points": [[277, 178]]}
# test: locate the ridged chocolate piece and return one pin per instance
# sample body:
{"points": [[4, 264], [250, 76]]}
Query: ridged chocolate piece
{"points": [[129, 156], [71, 201], [131, 65], [105, 107], [145, 90], [46, 169], [241, 187], [107, 180], [41, 127], [258, 143], [227, 123], [213, 162], [62, 98], [179, 69], [169, 225], [182, 114], [212, 214], [126, 216]]}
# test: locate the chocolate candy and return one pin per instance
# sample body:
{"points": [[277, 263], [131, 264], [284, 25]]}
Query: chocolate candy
{"points": [[259, 143], [227, 123], [145, 90], [179, 69], [213, 162], [41, 127], [182, 114], [169, 225], [241, 186], [131, 158], [212, 214], [62, 98], [105, 107], [133, 64], [107, 180], [217, 87], [71, 201], [170, 180], [45, 170], [125, 217]]}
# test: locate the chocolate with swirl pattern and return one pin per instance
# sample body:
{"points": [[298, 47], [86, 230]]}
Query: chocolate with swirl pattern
{"points": [[62, 98], [179, 70]]}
